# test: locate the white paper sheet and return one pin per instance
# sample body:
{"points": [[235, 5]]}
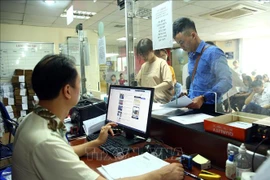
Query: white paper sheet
{"points": [[133, 166], [191, 118], [183, 101], [240, 124], [10, 101], [21, 79], [22, 92], [163, 111], [24, 106], [93, 125], [24, 100], [23, 113], [156, 106], [9, 109]]}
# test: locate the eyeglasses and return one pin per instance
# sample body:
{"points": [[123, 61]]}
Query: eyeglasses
{"points": [[181, 42]]}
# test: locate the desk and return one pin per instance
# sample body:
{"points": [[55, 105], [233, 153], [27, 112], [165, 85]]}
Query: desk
{"points": [[98, 158], [193, 139]]}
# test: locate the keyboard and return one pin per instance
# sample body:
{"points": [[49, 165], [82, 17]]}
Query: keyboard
{"points": [[112, 146]]}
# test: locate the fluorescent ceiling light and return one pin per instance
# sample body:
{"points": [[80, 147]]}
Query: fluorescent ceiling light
{"points": [[79, 14], [224, 33], [49, 2], [122, 39], [262, 1], [111, 54]]}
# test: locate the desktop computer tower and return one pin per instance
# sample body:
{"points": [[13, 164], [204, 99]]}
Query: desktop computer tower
{"points": [[86, 109]]}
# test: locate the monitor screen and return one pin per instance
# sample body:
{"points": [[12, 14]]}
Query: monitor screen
{"points": [[130, 108]]}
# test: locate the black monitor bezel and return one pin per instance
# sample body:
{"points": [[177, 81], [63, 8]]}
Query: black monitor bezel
{"points": [[123, 127]]}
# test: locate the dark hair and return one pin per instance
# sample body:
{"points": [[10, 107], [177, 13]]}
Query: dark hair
{"points": [[121, 74], [248, 79], [182, 24], [157, 52], [265, 76], [144, 46], [210, 42], [257, 83], [51, 74], [259, 77], [113, 75], [234, 62]]}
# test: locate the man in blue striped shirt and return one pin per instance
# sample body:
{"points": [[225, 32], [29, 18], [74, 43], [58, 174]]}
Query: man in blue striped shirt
{"points": [[207, 66]]}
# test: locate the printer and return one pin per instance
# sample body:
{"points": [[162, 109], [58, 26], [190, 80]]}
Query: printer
{"points": [[85, 109]]}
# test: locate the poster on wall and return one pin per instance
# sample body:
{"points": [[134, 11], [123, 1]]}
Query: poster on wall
{"points": [[229, 55], [162, 26], [102, 50]]}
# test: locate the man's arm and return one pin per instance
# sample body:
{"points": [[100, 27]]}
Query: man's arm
{"points": [[172, 171], [223, 75], [249, 98]]}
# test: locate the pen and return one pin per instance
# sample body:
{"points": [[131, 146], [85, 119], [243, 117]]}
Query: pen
{"points": [[192, 175]]}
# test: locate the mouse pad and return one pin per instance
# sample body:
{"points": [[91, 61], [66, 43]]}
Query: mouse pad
{"points": [[158, 151]]}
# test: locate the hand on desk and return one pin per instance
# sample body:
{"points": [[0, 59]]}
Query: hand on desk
{"points": [[104, 132]]}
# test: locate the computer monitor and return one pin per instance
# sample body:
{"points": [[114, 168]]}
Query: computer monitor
{"points": [[130, 108]]}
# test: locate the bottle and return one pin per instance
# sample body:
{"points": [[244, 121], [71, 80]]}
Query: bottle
{"points": [[268, 154], [230, 166], [242, 162]]}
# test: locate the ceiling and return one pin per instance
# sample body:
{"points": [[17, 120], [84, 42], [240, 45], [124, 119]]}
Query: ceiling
{"points": [[38, 13]]}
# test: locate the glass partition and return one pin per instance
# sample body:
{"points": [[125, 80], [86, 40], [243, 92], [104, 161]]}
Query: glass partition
{"points": [[244, 45]]}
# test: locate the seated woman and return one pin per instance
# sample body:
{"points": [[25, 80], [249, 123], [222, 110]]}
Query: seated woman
{"points": [[155, 72]]}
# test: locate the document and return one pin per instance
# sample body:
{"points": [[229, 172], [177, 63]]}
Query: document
{"points": [[93, 125], [190, 119], [133, 166], [182, 101], [240, 124], [163, 111]]}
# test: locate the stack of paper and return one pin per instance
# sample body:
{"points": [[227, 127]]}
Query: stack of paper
{"points": [[93, 125], [191, 118], [133, 166]]}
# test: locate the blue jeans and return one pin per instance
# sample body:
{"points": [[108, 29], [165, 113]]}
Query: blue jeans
{"points": [[256, 109]]}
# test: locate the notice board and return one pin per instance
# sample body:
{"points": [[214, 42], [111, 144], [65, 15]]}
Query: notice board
{"points": [[21, 55]]}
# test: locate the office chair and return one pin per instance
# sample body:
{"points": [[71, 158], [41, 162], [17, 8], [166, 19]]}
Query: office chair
{"points": [[11, 125]]}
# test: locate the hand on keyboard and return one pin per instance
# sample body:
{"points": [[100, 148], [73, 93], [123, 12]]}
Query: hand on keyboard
{"points": [[104, 132]]}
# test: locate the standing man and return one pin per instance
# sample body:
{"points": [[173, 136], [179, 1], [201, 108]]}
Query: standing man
{"points": [[207, 67]]}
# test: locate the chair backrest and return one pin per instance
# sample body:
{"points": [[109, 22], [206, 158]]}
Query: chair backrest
{"points": [[10, 124]]}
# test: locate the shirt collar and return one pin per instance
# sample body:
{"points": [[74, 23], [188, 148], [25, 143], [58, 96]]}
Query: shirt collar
{"points": [[200, 47], [45, 113], [198, 50]]}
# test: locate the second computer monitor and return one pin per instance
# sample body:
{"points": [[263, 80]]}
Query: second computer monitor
{"points": [[130, 108]]}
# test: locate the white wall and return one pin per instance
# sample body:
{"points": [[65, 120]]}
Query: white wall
{"points": [[56, 36], [255, 55]]}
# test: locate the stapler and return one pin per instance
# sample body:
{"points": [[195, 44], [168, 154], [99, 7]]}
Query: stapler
{"points": [[206, 175]]}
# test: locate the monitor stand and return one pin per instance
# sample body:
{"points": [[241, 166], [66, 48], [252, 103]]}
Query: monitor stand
{"points": [[129, 139]]}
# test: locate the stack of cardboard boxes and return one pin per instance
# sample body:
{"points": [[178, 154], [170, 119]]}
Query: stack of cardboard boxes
{"points": [[23, 92]]}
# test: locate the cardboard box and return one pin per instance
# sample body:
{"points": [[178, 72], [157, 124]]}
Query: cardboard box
{"points": [[18, 79], [219, 125], [19, 72]]}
